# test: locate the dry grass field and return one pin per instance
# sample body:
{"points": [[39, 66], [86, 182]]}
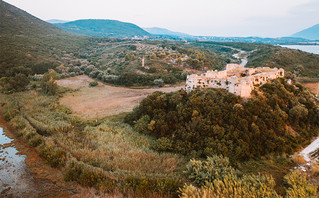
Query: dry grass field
{"points": [[103, 100], [313, 87]]}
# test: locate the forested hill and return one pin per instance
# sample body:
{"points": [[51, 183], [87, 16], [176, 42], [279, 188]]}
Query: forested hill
{"points": [[103, 28], [279, 119], [16, 22]]}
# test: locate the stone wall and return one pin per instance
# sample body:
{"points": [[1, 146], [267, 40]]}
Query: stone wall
{"points": [[237, 80]]}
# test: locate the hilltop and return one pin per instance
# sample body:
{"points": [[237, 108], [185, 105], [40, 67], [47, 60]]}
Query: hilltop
{"points": [[103, 28], [311, 33]]}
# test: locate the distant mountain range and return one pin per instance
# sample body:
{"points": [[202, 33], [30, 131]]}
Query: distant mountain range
{"points": [[118, 29], [311, 33], [103, 28], [53, 21], [163, 31]]}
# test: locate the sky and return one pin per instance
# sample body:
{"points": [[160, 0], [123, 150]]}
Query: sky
{"points": [[264, 18]]}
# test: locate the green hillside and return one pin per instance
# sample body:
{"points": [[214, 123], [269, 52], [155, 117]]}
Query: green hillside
{"points": [[103, 28], [26, 40], [278, 119], [311, 33]]}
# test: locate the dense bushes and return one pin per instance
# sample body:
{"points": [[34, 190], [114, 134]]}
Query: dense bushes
{"points": [[215, 177], [279, 119], [299, 186], [93, 84]]}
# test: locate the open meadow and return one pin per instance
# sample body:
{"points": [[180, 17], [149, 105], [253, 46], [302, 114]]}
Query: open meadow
{"points": [[103, 100]]}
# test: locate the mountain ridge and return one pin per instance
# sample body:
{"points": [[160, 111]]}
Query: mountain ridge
{"points": [[164, 31], [311, 33], [53, 21], [103, 28]]}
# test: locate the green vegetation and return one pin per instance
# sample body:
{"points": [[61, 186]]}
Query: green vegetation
{"points": [[93, 84], [111, 157], [299, 63], [107, 155], [214, 177], [48, 83], [299, 186], [31, 46], [279, 119], [149, 158], [103, 28]]}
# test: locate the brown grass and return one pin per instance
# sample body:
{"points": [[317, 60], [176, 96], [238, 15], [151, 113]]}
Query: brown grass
{"points": [[103, 100], [313, 87], [299, 159]]}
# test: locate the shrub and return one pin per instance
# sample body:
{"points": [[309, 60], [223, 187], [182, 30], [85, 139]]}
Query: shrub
{"points": [[199, 172], [55, 157], [299, 159], [299, 186], [163, 144], [93, 84], [48, 83], [36, 140], [141, 125], [217, 179], [159, 82]]}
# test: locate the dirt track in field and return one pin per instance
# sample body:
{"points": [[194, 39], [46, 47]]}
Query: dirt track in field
{"points": [[103, 100]]}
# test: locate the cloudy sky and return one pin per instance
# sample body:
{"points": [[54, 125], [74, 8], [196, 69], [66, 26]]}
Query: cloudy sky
{"points": [[265, 18]]}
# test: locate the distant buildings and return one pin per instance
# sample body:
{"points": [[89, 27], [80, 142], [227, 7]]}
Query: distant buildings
{"points": [[236, 79]]}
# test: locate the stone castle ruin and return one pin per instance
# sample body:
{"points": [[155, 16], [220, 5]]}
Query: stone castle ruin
{"points": [[236, 79]]}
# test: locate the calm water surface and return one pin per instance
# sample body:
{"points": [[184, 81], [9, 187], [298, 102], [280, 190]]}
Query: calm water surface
{"points": [[307, 48], [15, 177]]}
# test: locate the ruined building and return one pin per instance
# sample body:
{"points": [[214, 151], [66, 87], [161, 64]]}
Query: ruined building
{"points": [[236, 79]]}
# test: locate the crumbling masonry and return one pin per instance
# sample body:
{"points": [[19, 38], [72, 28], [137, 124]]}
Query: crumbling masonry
{"points": [[236, 79]]}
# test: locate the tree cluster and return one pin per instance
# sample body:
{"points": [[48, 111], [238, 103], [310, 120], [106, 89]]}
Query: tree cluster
{"points": [[279, 118]]}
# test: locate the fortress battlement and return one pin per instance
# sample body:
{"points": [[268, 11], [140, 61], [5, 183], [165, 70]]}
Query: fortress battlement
{"points": [[236, 79]]}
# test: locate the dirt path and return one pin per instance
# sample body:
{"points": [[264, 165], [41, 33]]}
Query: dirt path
{"points": [[103, 100], [24, 174]]}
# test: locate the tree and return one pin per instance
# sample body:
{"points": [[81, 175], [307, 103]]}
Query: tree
{"points": [[48, 82], [15, 79], [159, 82]]}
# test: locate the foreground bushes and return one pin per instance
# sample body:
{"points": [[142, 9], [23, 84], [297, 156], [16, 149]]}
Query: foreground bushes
{"points": [[88, 176], [299, 186], [214, 177]]}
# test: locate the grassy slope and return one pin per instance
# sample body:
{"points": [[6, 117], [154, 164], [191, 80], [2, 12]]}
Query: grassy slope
{"points": [[301, 63], [26, 40]]}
